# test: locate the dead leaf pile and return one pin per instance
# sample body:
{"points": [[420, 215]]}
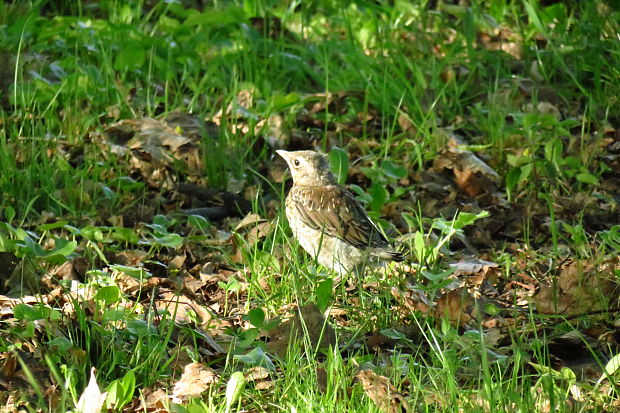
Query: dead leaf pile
{"points": [[154, 151]]}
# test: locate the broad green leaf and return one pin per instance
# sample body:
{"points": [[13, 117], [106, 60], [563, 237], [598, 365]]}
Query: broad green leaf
{"points": [[587, 178], [323, 293], [339, 164], [568, 375], [231, 15], [256, 316], [56, 259], [572, 162], [281, 102], [437, 276], [513, 177], [611, 237], [34, 312], [53, 225], [141, 328], [92, 233], [9, 214], [526, 170], [248, 337], [361, 194], [611, 368], [169, 240], [231, 286], [394, 334], [199, 222], [115, 314], [128, 385], [234, 388], [163, 220], [61, 343], [134, 272], [256, 357], [108, 294], [127, 235], [613, 365], [379, 196], [130, 57], [464, 219], [392, 170], [32, 248], [168, 24], [114, 393], [268, 260], [63, 247], [419, 246]]}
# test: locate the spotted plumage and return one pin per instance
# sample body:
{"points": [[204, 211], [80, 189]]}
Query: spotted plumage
{"points": [[329, 223]]}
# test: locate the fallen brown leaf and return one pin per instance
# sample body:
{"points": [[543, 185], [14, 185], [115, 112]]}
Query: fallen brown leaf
{"points": [[314, 324], [472, 175], [458, 306], [582, 286], [154, 400], [196, 379], [382, 393], [179, 307]]}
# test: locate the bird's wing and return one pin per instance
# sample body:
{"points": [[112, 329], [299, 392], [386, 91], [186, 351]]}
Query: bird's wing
{"points": [[334, 210]]}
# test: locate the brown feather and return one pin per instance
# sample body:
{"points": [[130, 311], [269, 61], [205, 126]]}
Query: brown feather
{"points": [[334, 210]]}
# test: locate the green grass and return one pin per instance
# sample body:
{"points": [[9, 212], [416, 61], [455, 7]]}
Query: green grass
{"points": [[386, 81]]}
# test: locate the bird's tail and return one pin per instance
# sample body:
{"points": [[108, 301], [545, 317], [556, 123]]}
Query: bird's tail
{"points": [[391, 255]]}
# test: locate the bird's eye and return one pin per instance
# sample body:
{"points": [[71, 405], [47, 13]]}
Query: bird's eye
{"points": [[296, 162]]}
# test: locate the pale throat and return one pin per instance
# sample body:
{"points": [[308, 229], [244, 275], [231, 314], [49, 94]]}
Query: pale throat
{"points": [[315, 179]]}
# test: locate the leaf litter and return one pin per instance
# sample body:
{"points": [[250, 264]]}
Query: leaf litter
{"points": [[185, 277], [154, 148]]}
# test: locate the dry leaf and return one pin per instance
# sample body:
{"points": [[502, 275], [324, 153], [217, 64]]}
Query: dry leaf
{"points": [[154, 400], [196, 379], [321, 379], [277, 137], [256, 228], [70, 270], [471, 266], [258, 375], [8, 365], [382, 392], [413, 299], [582, 286], [250, 219], [458, 306], [505, 40], [177, 262], [314, 323], [179, 306], [478, 271], [472, 175]]}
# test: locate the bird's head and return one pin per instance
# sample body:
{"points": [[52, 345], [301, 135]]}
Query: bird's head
{"points": [[308, 168]]}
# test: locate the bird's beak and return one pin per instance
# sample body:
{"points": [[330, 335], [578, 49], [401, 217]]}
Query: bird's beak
{"points": [[283, 154]]}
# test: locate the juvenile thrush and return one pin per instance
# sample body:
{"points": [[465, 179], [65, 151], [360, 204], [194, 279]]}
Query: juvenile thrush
{"points": [[329, 223]]}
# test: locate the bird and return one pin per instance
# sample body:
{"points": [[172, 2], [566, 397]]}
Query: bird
{"points": [[327, 220]]}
